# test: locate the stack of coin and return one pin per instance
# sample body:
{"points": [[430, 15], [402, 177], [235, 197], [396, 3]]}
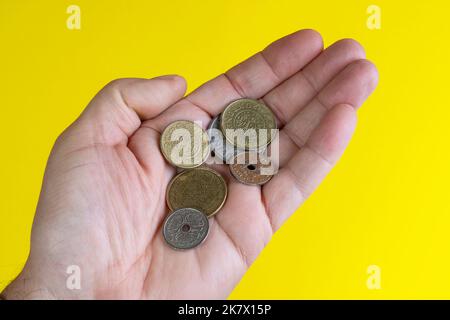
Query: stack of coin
{"points": [[197, 192], [194, 194], [239, 136]]}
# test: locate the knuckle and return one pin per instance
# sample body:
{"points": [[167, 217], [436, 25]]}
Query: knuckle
{"points": [[115, 84]]}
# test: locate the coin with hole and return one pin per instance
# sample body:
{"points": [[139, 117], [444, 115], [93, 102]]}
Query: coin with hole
{"points": [[251, 168], [185, 228], [219, 146]]}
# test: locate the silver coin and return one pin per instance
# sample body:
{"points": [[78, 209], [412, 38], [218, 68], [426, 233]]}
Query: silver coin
{"points": [[219, 146], [185, 228]]}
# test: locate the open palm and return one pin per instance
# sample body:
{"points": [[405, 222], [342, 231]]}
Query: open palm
{"points": [[103, 199]]}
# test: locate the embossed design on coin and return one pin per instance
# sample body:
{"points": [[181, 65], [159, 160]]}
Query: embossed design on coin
{"points": [[184, 144], [185, 228], [253, 118], [218, 144], [201, 188], [247, 167]]}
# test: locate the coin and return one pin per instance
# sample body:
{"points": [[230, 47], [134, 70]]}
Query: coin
{"points": [[219, 146], [248, 168], [254, 119], [185, 228], [184, 144], [201, 188]]}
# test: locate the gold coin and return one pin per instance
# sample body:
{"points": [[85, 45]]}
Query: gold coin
{"points": [[248, 124], [248, 168], [184, 144], [201, 188]]}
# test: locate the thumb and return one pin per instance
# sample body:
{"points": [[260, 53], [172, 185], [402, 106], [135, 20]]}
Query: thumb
{"points": [[117, 111]]}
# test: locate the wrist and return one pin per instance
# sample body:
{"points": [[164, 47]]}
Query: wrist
{"points": [[26, 288]]}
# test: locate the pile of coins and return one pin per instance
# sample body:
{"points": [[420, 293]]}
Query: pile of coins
{"points": [[238, 137]]}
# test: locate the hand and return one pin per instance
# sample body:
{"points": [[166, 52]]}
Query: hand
{"points": [[103, 198]]}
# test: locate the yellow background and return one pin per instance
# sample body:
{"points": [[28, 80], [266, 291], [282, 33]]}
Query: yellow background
{"points": [[385, 204]]}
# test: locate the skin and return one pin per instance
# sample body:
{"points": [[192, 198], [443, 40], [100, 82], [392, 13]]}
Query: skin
{"points": [[102, 202]]}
